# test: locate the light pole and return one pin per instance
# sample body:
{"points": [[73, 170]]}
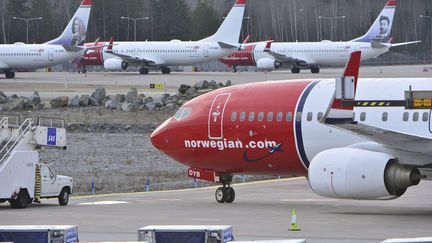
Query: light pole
{"points": [[27, 20], [430, 18], [331, 22], [134, 21], [152, 26]]}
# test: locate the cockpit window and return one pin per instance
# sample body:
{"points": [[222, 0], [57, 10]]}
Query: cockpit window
{"points": [[182, 113]]}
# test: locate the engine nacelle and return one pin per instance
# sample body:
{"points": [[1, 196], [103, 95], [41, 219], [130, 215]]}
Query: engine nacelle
{"points": [[115, 64], [268, 64], [360, 174]]}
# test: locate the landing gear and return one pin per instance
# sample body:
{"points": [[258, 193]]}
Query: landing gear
{"points": [[144, 71], [315, 69], [295, 69], [234, 69], [226, 193], [84, 70], [166, 70], [10, 74]]}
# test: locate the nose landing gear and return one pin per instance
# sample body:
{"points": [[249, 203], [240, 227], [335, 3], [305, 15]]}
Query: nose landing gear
{"points": [[225, 194]]}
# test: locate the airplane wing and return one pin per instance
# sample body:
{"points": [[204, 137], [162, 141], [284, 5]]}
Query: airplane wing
{"points": [[282, 58], [228, 46], [131, 58], [70, 48], [3, 65]]}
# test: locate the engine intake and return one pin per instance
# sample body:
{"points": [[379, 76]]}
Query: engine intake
{"points": [[268, 64], [115, 64], [351, 173]]}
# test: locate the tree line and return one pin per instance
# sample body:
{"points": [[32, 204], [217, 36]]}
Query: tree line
{"points": [[283, 20]]}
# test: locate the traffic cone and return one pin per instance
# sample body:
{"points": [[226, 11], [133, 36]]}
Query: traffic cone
{"points": [[294, 226]]}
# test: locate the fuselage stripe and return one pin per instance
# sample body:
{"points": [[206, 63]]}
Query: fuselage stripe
{"points": [[298, 125]]}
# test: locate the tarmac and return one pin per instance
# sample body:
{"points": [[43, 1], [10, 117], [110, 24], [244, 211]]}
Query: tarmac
{"points": [[51, 85], [261, 211]]}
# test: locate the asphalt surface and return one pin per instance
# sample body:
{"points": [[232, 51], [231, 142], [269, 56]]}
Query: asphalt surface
{"points": [[262, 211], [51, 85]]}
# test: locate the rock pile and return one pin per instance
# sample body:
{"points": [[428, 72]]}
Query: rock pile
{"points": [[130, 102]]}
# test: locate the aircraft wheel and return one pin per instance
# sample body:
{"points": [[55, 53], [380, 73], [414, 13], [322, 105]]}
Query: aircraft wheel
{"points": [[235, 69], [220, 195], [315, 69], [295, 69], [230, 195], [144, 71], [10, 75], [166, 70]]}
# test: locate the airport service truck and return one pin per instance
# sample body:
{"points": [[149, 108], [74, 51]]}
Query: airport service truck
{"points": [[23, 179]]}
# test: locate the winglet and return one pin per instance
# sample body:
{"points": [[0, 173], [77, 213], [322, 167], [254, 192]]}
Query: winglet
{"points": [[97, 41], [391, 3], [268, 45], [241, 2], [110, 45]]}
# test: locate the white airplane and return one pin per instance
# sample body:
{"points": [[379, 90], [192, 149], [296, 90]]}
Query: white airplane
{"points": [[370, 139], [310, 55], [161, 54], [21, 56]]}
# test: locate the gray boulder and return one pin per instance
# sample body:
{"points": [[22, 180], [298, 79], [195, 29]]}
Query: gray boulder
{"points": [[46, 105], [35, 98], [112, 104], [191, 91], [131, 95], [59, 102], [84, 100], [121, 97], [201, 84], [3, 98], [151, 106], [172, 99], [158, 102], [148, 100], [97, 97], [14, 105], [126, 107], [183, 88], [74, 102], [213, 85], [171, 106], [228, 83], [165, 98]]}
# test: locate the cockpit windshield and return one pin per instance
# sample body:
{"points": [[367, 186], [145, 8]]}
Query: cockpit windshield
{"points": [[182, 113]]}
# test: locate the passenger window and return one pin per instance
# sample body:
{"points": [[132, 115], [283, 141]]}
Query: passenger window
{"points": [[385, 116], [270, 116], [260, 116], [242, 116], [233, 116], [425, 116], [320, 116], [405, 116], [298, 116], [279, 116], [289, 116], [251, 116], [415, 116], [363, 116], [309, 116]]}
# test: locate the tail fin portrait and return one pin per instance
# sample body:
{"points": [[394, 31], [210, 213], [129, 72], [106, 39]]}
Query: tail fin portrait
{"points": [[76, 31], [230, 30], [381, 28]]}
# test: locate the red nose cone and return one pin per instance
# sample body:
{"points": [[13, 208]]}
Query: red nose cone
{"points": [[159, 136]]}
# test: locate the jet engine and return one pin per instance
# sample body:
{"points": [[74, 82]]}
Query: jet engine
{"points": [[350, 173], [268, 64], [115, 64]]}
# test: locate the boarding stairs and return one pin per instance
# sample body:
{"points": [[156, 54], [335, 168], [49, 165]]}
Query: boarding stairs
{"points": [[27, 135]]}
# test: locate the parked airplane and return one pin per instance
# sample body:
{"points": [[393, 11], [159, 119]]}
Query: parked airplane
{"points": [[161, 54], [20, 56], [310, 55], [299, 127]]}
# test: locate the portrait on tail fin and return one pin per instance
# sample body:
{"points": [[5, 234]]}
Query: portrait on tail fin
{"points": [[79, 31]]}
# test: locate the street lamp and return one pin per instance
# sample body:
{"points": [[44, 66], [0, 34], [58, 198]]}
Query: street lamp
{"points": [[430, 18], [152, 26], [27, 20], [331, 22], [134, 21]]}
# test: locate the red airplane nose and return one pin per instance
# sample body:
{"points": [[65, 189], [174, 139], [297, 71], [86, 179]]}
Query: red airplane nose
{"points": [[159, 136]]}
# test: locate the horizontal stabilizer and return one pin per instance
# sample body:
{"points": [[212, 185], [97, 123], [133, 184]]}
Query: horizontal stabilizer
{"points": [[227, 46], [405, 43], [70, 48]]}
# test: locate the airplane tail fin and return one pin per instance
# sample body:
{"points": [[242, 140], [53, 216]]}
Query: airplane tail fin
{"points": [[381, 28], [229, 31], [76, 31]]}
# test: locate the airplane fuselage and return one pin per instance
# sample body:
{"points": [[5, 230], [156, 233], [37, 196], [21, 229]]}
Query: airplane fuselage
{"points": [[172, 53], [314, 53], [21, 56], [274, 127]]}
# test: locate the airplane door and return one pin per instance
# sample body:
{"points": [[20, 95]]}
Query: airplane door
{"points": [[206, 51], [216, 116], [51, 55]]}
